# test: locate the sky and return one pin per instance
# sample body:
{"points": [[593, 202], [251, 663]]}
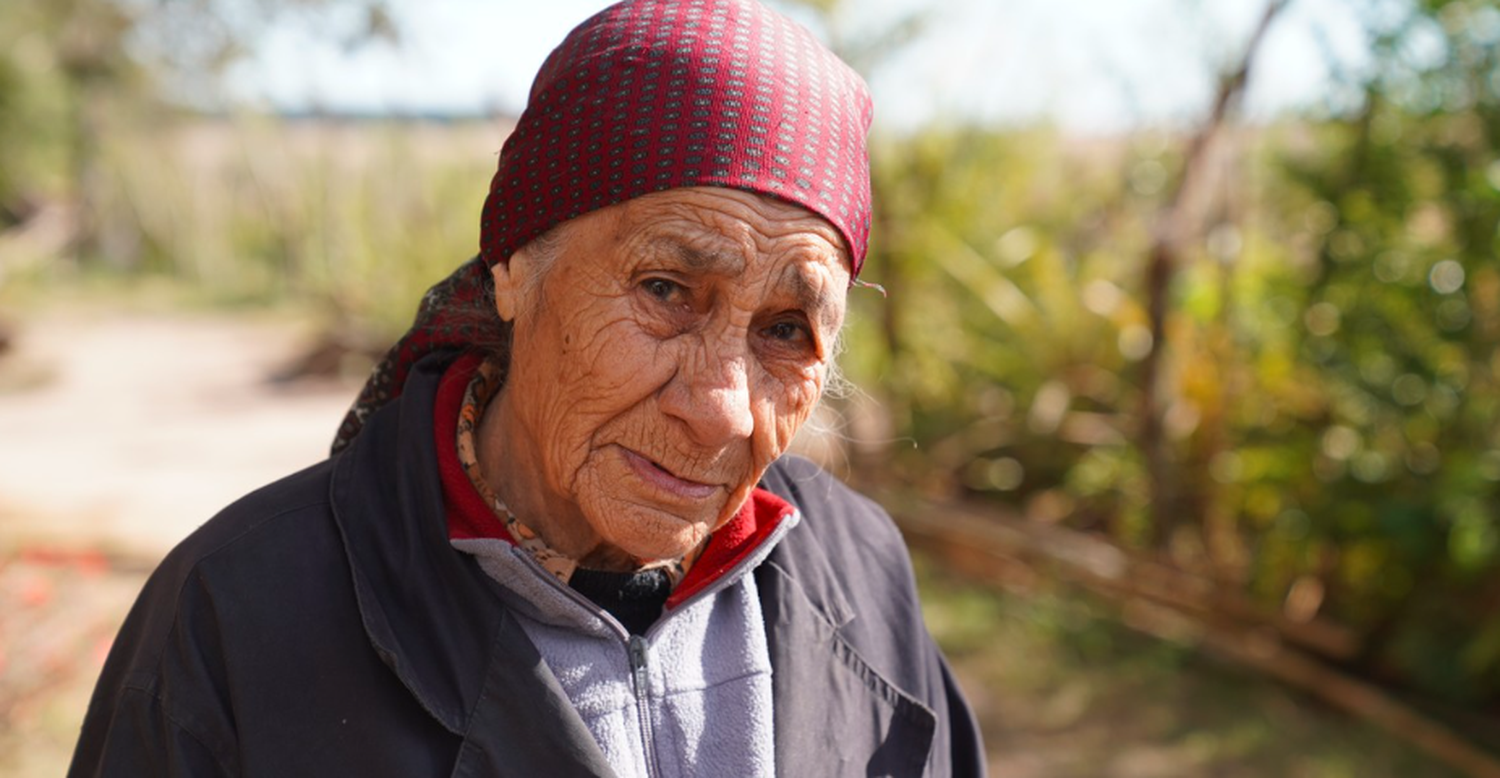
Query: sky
{"points": [[1088, 66]]}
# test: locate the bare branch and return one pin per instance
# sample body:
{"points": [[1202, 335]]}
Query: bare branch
{"points": [[1162, 262]]}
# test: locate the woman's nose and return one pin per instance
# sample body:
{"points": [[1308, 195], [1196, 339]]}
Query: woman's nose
{"points": [[712, 399]]}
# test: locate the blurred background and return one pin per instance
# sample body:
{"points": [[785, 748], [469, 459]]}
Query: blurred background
{"points": [[1182, 383]]}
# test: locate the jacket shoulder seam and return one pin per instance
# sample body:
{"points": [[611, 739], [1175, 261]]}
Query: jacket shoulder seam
{"points": [[254, 526], [217, 751]]}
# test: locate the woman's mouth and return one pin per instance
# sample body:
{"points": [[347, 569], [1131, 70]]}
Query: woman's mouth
{"points": [[663, 479]]}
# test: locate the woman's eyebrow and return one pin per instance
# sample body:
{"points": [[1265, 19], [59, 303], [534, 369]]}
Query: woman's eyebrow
{"points": [[700, 260], [813, 299]]}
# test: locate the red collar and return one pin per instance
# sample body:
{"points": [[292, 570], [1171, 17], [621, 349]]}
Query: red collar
{"points": [[469, 517]]}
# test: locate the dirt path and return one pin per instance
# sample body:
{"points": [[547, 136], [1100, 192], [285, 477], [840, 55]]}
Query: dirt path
{"points": [[120, 434], [128, 431]]}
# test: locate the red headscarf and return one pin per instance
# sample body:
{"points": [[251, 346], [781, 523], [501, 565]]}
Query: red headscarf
{"points": [[649, 95]]}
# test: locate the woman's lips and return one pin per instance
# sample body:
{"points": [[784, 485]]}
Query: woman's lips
{"points": [[654, 474]]}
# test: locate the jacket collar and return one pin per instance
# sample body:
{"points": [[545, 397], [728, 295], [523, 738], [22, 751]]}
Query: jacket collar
{"points": [[802, 557], [820, 678], [430, 613]]}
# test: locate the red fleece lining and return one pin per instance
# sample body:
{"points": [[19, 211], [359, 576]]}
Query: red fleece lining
{"points": [[734, 541], [469, 517]]}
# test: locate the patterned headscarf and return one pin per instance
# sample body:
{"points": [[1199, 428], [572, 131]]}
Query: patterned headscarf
{"points": [[650, 95]]}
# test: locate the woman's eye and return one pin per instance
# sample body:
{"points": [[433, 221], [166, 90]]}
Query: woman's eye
{"points": [[786, 331], [661, 288]]}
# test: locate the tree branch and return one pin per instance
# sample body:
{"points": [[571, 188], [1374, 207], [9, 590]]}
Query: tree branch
{"points": [[1162, 262]]}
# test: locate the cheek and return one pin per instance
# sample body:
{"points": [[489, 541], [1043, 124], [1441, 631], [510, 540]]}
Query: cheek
{"points": [[788, 403], [598, 374]]}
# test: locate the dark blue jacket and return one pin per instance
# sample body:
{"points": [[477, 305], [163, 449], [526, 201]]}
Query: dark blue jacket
{"points": [[323, 626]]}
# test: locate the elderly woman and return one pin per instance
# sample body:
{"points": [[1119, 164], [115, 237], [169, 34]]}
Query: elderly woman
{"points": [[557, 535]]}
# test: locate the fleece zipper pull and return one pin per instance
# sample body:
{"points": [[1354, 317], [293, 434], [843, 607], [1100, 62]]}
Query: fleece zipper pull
{"points": [[638, 662]]}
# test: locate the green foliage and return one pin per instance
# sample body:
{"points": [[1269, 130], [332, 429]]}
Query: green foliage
{"points": [[1400, 206], [73, 73], [33, 109], [1333, 389], [1003, 256]]}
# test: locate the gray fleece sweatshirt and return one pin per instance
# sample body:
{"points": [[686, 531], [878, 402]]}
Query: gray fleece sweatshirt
{"points": [[692, 697]]}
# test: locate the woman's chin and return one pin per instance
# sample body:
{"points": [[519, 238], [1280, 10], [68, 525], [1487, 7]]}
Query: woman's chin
{"points": [[653, 534]]}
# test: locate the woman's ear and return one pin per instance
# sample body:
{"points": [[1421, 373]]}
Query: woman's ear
{"points": [[508, 285]]}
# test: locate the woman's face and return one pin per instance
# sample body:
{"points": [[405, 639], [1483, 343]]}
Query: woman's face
{"points": [[663, 361]]}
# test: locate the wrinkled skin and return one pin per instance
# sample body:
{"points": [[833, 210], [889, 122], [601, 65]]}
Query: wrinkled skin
{"points": [[662, 363]]}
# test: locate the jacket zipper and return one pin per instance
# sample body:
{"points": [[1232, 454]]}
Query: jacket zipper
{"points": [[637, 649], [636, 645]]}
